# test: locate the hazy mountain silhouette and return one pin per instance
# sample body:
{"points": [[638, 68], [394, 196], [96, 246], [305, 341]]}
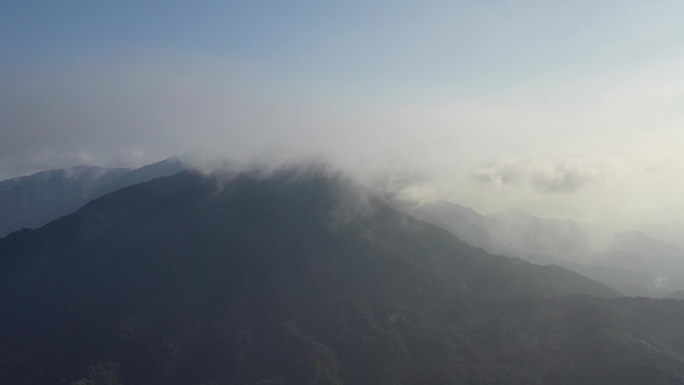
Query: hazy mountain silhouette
{"points": [[302, 278], [463, 222], [637, 251], [34, 200], [519, 233], [677, 294], [514, 232], [632, 263], [640, 251]]}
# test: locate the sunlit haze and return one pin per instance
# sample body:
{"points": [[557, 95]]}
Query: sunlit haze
{"points": [[565, 109]]}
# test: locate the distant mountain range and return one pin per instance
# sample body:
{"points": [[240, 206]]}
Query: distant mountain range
{"points": [[303, 278], [514, 232], [34, 200], [632, 262]]}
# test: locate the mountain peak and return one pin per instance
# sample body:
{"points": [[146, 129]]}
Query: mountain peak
{"points": [[248, 275]]}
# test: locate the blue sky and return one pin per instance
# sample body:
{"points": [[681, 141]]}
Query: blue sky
{"points": [[457, 46], [557, 107]]}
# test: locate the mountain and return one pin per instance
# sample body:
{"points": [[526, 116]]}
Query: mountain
{"points": [[677, 294], [165, 167], [640, 251], [463, 222], [302, 278], [632, 263], [513, 232], [519, 233], [34, 200], [637, 251]]}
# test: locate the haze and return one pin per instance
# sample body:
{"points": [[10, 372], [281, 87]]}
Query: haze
{"points": [[570, 110]]}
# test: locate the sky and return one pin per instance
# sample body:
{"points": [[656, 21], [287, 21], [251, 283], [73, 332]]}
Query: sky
{"points": [[565, 109]]}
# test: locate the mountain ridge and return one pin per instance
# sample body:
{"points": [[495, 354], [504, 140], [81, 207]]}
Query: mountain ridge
{"points": [[632, 262], [34, 200], [295, 280]]}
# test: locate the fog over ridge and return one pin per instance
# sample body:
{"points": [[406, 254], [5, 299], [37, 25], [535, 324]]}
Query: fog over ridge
{"points": [[563, 110]]}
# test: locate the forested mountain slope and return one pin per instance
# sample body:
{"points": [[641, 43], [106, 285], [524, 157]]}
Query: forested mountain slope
{"points": [[302, 278]]}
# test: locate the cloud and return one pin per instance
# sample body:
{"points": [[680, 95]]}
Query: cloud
{"points": [[501, 174], [660, 283], [561, 176], [608, 144]]}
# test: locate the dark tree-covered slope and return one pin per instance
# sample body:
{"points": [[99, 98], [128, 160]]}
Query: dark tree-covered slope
{"points": [[300, 278]]}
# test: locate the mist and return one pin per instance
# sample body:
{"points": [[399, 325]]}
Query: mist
{"points": [[357, 192], [564, 111]]}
